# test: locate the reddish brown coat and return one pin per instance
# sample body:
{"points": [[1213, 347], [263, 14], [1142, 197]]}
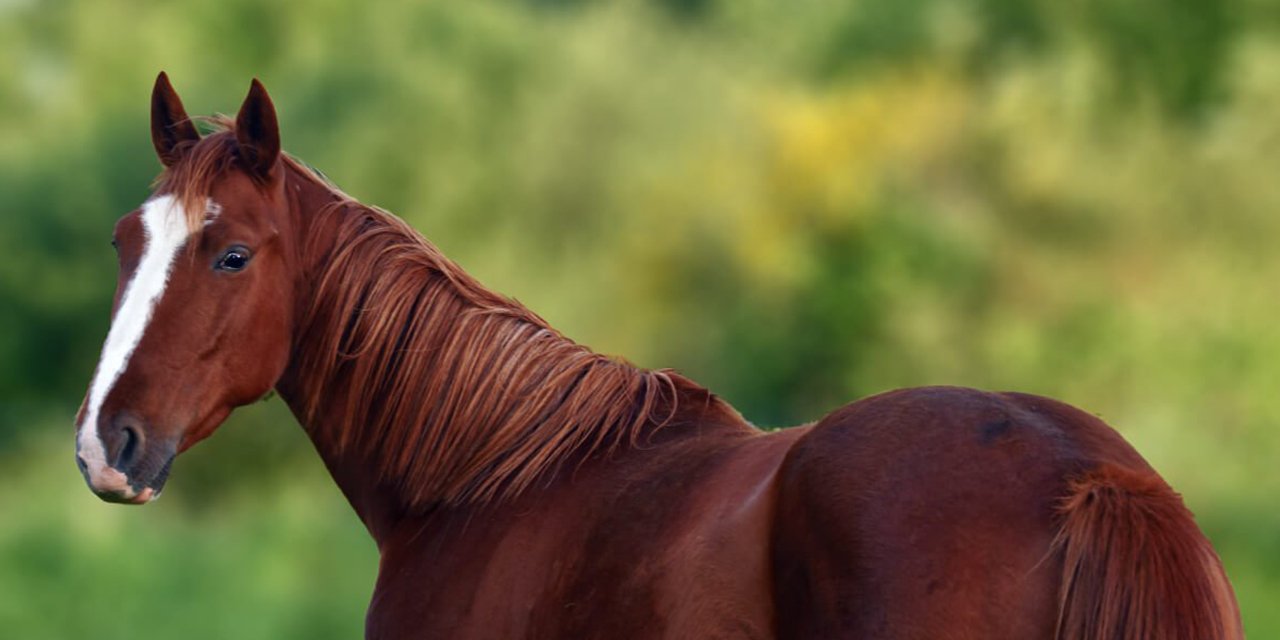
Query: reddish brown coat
{"points": [[520, 486]]}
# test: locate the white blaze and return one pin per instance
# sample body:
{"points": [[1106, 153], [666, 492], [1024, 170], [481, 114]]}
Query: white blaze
{"points": [[164, 225]]}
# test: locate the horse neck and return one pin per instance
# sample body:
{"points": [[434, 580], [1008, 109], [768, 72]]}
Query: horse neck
{"points": [[469, 398], [375, 508]]}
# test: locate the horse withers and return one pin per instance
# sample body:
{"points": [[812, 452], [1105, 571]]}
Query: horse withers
{"points": [[519, 485]]}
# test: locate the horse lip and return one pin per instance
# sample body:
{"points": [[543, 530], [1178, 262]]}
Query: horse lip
{"points": [[115, 486], [144, 496], [141, 497]]}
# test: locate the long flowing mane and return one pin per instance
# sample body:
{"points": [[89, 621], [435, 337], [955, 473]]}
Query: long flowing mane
{"points": [[455, 393]]}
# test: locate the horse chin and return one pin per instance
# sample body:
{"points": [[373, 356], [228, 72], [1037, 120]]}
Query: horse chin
{"points": [[202, 429]]}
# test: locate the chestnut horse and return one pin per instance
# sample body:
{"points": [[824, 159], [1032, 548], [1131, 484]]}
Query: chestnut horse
{"points": [[519, 485]]}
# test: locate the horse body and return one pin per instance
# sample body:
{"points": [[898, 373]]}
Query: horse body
{"points": [[920, 513], [520, 485]]}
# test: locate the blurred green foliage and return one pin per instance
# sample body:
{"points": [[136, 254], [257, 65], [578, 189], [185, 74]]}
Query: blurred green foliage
{"points": [[798, 203]]}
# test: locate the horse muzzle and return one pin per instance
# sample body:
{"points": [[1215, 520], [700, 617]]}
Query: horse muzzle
{"points": [[129, 468]]}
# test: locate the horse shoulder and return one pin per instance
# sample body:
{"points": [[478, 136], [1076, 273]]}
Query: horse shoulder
{"points": [[665, 542], [680, 550]]}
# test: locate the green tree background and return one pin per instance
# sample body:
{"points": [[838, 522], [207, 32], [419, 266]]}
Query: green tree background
{"points": [[798, 203]]}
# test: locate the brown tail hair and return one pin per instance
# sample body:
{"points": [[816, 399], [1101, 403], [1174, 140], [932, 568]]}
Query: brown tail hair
{"points": [[1136, 566]]}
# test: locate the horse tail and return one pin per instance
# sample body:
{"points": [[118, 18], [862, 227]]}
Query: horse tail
{"points": [[1136, 565]]}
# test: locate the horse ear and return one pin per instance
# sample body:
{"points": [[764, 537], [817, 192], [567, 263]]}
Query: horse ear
{"points": [[257, 131], [171, 129]]}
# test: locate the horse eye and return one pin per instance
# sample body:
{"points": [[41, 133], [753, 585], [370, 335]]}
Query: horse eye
{"points": [[234, 259]]}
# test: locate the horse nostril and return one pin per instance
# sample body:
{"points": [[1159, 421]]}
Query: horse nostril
{"points": [[84, 468], [132, 440], [124, 438]]}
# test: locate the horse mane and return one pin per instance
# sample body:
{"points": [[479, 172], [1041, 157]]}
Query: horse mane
{"points": [[456, 394], [191, 180]]}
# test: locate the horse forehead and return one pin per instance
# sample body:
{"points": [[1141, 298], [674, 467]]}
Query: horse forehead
{"points": [[165, 224], [237, 190]]}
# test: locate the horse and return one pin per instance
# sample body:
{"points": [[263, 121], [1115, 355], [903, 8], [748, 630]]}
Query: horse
{"points": [[520, 485]]}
